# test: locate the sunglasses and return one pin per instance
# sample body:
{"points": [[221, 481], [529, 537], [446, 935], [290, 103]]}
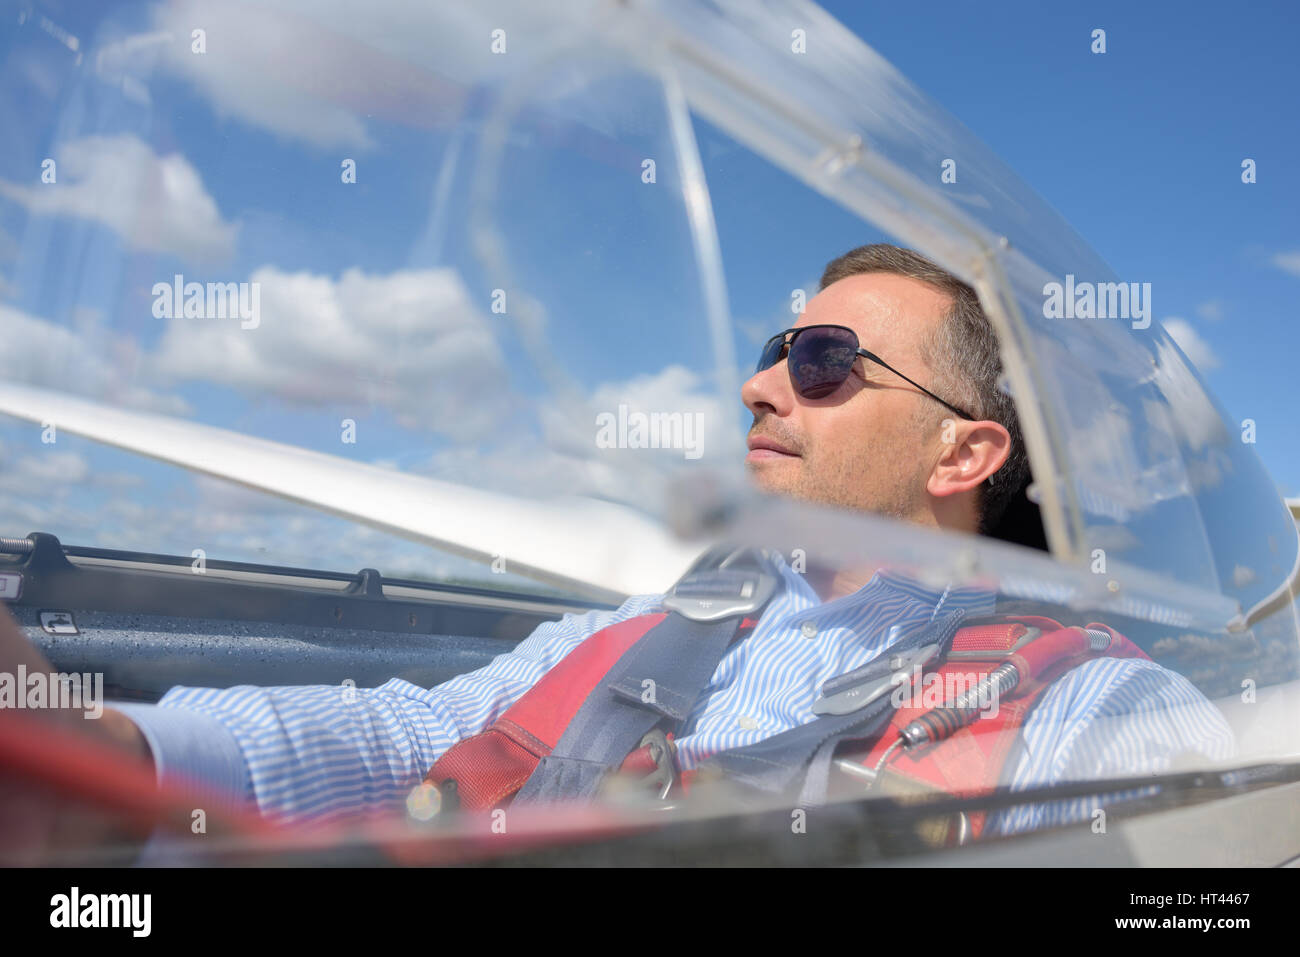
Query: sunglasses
{"points": [[821, 357]]}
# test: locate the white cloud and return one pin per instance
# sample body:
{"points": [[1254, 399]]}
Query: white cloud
{"points": [[1211, 311], [316, 72], [409, 342], [757, 332], [129, 62], [566, 460], [38, 474], [155, 203], [53, 483], [1188, 412], [54, 492], [1287, 262], [264, 67], [38, 352], [230, 521], [674, 389], [1190, 341]]}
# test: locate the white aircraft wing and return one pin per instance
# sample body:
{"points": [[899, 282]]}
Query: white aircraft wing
{"points": [[578, 544]]}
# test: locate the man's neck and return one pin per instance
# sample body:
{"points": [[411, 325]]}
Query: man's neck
{"points": [[832, 583]]}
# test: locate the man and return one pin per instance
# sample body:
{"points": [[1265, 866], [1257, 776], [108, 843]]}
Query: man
{"points": [[918, 431]]}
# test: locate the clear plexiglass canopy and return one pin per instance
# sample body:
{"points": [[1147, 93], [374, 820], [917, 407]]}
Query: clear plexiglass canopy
{"points": [[498, 271]]}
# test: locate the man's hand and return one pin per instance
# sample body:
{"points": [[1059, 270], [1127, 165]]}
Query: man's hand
{"points": [[34, 824]]}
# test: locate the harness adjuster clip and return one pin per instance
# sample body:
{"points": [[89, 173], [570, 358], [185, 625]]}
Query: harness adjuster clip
{"points": [[719, 587], [857, 689], [662, 751], [625, 786]]}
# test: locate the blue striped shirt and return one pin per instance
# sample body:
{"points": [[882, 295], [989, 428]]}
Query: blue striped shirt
{"points": [[324, 751]]}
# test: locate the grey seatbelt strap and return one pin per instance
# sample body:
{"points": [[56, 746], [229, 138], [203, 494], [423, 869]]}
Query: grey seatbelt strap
{"points": [[802, 756], [658, 680]]}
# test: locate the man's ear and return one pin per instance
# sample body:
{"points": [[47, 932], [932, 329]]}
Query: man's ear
{"points": [[969, 453]]}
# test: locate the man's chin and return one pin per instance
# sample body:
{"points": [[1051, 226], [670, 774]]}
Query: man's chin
{"points": [[782, 482], [774, 478]]}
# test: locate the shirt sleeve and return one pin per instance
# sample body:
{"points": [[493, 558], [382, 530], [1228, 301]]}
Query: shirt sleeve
{"points": [[1111, 718], [322, 751]]}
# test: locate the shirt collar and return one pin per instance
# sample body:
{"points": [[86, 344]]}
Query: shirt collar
{"points": [[940, 600]]}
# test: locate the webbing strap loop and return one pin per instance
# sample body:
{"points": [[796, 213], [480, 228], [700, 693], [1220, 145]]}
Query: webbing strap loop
{"points": [[656, 682], [722, 583], [775, 765]]}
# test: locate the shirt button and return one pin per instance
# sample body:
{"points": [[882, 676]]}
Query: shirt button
{"points": [[808, 629], [746, 722]]}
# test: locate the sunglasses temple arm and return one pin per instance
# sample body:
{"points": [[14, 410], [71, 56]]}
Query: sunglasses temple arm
{"points": [[948, 405]]}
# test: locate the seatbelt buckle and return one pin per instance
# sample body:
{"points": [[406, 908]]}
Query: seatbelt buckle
{"points": [[857, 689], [723, 583], [651, 768]]}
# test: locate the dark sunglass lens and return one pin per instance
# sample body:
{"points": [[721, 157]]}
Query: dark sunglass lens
{"points": [[820, 360], [771, 353]]}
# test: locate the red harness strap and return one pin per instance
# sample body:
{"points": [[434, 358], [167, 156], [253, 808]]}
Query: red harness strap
{"points": [[490, 767], [970, 759]]}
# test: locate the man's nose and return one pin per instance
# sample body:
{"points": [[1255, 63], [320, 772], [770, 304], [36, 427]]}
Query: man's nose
{"points": [[768, 391]]}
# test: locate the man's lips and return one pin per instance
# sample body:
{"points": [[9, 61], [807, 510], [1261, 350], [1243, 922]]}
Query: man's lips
{"points": [[761, 449]]}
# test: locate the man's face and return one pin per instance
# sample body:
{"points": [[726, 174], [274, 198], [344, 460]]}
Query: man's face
{"points": [[872, 443]]}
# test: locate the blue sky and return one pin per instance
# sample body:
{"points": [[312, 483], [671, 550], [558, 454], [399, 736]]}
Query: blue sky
{"points": [[1140, 149]]}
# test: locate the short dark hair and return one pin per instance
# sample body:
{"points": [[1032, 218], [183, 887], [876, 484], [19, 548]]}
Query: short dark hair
{"points": [[963, 352]]}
